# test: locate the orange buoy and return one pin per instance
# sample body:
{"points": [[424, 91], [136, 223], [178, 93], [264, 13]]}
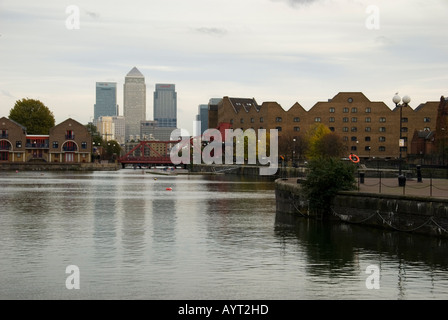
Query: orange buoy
{"points": [[354, 158], [169, 189]]}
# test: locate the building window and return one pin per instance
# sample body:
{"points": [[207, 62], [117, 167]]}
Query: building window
{"points": [[231, 121], [332, 110], [241, 120], [353, 148], [382, 119], [83, 145], [404, 149], [252, 120], [367, 148], [345, 119], [317, 119], [345, 110], [354, 110], [69, 135], [331, 129], [353, 138], [18, 144], [368, 119], [55, 145], [404, 129], [404, 119], [278, 128], [331, 119], [296, 119], [345, 129], [382, 148], [344, 138], [367, 139], [354, 119], [368, 129], [354, 129], [261, 119], [382, 129], [278, 119], [382, 139], [296, 129], [368, 110], [350, 100], [426, 119]]}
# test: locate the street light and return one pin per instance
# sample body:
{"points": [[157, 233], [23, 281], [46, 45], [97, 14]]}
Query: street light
{"points": [[396, 99]]}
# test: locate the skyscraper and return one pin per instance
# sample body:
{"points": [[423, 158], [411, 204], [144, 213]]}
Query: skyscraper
{"points": [[134, 104], [165, 105], [106, 100]]}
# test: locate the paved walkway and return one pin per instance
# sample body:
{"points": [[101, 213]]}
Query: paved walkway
{"points": [[437, 188]]}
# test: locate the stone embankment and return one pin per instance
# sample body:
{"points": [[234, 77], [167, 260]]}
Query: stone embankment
{"points": [[59, 166]]}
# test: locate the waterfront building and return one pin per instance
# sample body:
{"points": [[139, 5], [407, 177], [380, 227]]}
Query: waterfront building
{"points": [[165, 105], [202, 119], [134, 103], [106, 100], [367, 128], [68, 142]]}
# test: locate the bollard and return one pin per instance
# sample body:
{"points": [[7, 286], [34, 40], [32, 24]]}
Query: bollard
{"points": [[361, 176], [419, 173], [401, 180]]}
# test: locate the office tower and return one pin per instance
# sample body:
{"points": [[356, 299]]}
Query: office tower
{"points": [[165, 105], [120, 129], [106, 100], [202, 119], [106, 128], [134, 105]]}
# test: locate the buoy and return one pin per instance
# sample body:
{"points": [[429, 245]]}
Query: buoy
{"points": [[155, 178], [354, 158], [17, 171], [169, 189]]}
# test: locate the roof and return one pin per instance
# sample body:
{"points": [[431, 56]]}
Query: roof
{"points": [[135, 73], [246, 103]]}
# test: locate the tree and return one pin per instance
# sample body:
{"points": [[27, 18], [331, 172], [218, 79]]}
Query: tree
{"points": [[33, 115], [324, 143], [112, 148], [326, 177]]}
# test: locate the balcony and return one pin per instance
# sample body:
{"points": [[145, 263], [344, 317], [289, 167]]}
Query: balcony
{"points": [[69, 148], [69, 137], [3, 136], [37, 145]]}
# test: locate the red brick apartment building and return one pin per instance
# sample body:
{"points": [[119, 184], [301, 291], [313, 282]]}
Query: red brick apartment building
{"points": [[367, 128], [67, 142]]}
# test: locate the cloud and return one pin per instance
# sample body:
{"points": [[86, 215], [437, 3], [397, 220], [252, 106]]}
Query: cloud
{"points": [[295, 3], [92, 14], [6, 94], [212, 31]]}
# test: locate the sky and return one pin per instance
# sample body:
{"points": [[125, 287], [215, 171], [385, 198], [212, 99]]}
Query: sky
{"points": [[286, 51]]}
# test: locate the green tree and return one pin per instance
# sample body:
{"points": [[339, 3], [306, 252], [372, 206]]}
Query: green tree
{"points": [[327, 176], [34, 115], [315, 135], [112, 149]]}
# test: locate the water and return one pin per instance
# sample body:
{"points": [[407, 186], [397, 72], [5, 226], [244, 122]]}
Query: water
{"points": [[211, 237]]}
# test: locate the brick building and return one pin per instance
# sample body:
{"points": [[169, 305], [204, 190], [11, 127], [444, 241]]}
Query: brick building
{"points": [[68, 142], [367, 128]]}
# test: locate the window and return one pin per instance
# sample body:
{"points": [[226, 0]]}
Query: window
{"points": [[404, 129], [368, 110], [367, 148], [231, 121], [317, 119], [241, 120], [296, 119], [368, 119], [55, 145], [296, 129], [382, 139], [353, 148], [345, 119], [382, 119], [382, 129], [18, 144], [382, 148], [344, 138], [278, 128], [332, 110], [354, 110], [404, 149], [353, 138], [350, 100], [354, 129], [345, 129], [69, 135], [367, 139], [331, 129], [252, 120], [278, 119], [426, 119], [345, 110], [83, 145], [354, 119], [331, 119], [368, 129], [3, 133], [404, 119], [261, 119]]}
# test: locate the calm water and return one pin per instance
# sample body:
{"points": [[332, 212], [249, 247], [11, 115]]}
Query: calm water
{"points": [[211, 237]]}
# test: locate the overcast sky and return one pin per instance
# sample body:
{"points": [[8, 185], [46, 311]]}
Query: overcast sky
{"points": [[272, 50]]}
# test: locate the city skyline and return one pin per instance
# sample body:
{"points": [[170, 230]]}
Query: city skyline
{"points": [[272, 50]]}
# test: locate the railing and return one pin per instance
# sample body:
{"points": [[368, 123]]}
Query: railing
{"points": [[5, 147], [37, 145], [69, 137], [3, 136], [69, 148]]}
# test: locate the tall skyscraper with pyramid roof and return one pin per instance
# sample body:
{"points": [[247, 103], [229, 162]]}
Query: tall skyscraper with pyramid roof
{"points": [[134, 104]]}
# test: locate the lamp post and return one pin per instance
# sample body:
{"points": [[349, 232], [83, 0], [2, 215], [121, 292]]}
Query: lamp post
{"points": [[397, 99]]}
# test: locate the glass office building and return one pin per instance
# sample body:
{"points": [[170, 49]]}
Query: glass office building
{"points": [[165, 105], [106, 100]]}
